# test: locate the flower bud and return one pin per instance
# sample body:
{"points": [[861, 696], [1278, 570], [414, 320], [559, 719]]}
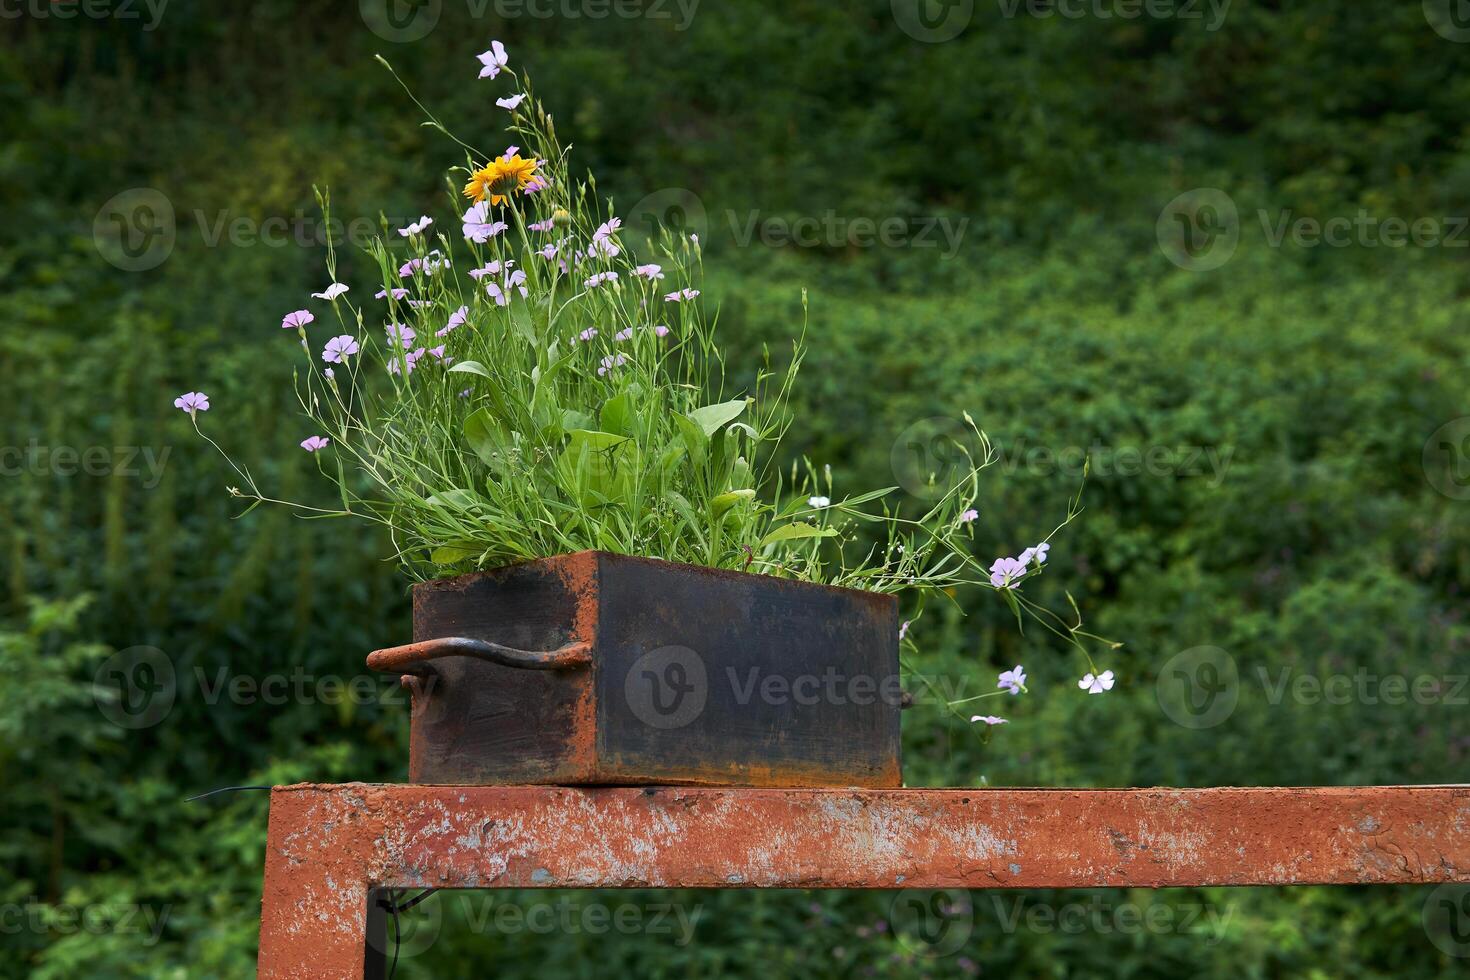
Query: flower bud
{"points": [[560, 218]]}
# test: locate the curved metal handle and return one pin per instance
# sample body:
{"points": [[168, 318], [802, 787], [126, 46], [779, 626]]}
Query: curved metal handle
{"points": [[412, 658]]}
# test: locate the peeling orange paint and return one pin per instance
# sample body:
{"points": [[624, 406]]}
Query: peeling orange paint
{"points": [[329, 846]]}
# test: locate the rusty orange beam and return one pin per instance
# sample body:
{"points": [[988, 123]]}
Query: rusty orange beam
{"points": [[330, 846]]}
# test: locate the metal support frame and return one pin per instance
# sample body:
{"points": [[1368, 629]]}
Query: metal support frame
{"points": [[331, 847]]}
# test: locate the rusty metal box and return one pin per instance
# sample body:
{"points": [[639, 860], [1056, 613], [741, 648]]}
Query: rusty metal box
{"points": [[595, 668]]}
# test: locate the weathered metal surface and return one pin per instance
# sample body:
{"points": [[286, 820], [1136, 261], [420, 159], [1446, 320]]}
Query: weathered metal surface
{"points": [[330, 845], [692, 676]]}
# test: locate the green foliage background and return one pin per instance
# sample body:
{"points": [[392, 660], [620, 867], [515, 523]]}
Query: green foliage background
{"points": [[1323, 548]]}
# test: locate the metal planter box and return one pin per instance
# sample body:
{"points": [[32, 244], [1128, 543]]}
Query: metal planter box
{"points": [[595, 668]]}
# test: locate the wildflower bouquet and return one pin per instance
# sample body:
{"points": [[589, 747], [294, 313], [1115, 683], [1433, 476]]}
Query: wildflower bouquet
{"points": [[522, 385]]}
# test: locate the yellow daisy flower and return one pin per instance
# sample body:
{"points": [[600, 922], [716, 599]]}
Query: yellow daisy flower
{"points": [[500, 179]]}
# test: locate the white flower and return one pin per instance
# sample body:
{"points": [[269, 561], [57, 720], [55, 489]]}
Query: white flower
{"points": [[1096, 685], [416, 227], [331, 292], [819, 502], [493, 60]]}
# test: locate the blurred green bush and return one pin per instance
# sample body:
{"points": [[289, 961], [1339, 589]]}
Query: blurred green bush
{"points": [[1288, 518]]}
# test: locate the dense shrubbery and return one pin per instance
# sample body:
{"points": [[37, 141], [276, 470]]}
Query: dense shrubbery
{"points": [[1317, 547]]}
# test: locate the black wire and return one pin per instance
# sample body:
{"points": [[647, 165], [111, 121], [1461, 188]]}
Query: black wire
{"points": [[224, 789], [393, 903], [416, 899]]}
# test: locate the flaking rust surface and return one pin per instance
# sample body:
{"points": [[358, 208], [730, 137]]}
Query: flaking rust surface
{"points": [[330, 844], [578, 573]]}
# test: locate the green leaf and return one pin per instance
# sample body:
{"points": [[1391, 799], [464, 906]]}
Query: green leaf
{"points": [[453, 554], [545, 409], [696, 443], [686, 511], [600, 465], [711, 418], [488, 437], [793, 532], [461, 499], [520, 322], [669, 460], [741, 475], [725, 501], [618, 414], [470, 367], [599, 441], [497, 397], [573, 419]]}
